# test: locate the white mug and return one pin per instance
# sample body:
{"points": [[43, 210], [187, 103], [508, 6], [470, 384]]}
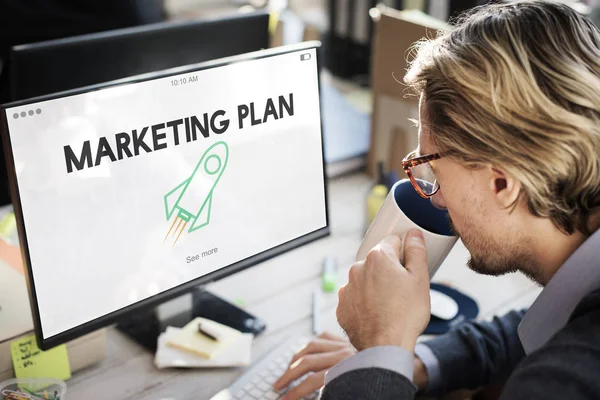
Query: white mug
{"points": [[403, 210]]}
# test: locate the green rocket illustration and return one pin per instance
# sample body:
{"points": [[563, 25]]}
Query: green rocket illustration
{"points": [[191, 200]]}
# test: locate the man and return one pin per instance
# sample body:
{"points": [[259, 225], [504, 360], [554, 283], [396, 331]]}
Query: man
{"points": [[510, 111]]}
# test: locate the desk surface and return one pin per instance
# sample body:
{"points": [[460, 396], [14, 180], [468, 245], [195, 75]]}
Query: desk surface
{"points": [[280, 293]]}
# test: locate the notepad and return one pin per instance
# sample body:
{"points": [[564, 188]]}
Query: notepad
{"points": [[31, 362], [189, 339], [238, 353]]}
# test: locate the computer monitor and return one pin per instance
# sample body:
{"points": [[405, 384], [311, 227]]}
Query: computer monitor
{"points": [[62, 64], [131, 193]]}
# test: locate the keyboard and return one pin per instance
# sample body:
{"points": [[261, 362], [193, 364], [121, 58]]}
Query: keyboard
{"points": [[257, 381]]}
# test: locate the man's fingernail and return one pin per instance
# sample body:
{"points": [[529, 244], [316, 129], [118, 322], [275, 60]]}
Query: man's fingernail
{"points": [[415, 233]]}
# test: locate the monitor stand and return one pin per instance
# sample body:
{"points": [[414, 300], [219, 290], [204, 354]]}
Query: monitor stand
{"points": [[145, 327]]}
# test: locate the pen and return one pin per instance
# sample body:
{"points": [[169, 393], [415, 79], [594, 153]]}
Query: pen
{"points": [[315, 312]]}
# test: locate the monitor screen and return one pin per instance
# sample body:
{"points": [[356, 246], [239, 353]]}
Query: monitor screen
{"points": [[128, 194]]}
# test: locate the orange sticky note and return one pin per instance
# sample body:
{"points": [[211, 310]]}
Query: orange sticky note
{"points": [[12, 256]]}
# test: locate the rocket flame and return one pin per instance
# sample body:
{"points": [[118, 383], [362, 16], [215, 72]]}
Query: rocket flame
{"points": [[178, 229]]}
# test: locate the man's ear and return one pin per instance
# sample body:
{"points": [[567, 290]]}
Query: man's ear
{"points": [[505, 188]]}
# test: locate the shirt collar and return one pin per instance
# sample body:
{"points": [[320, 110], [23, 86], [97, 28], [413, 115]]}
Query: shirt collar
{"points": [[550, 312]]}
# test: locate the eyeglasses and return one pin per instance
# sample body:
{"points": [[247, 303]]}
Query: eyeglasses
{"points": [[421, 174]]}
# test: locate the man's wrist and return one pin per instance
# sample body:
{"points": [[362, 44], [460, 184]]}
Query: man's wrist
{"points": [[420, 377], [394, 339], [393, 358]]}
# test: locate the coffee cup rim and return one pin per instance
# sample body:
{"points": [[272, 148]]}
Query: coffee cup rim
{"points": [[393, 194]]}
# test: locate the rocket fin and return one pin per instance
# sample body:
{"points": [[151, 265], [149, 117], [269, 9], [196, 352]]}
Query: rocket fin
{"points": [[203, 217], [173, 197]]}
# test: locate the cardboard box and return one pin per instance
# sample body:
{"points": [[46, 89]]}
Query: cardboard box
{"points": [[393, 135], [276, 27], [311, 32]]}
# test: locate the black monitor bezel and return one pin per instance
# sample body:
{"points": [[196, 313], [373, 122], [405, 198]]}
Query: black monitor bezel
{"points": [[22, 52], [153, 301]]}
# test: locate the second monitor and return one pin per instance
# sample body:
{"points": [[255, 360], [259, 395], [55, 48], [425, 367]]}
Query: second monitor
{"points": [[63, 64]]}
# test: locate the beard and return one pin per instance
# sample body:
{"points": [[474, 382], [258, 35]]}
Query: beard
{"points": [[488, 257]]}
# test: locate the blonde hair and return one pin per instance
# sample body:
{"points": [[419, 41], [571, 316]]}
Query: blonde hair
{"points": [[517, 86]]}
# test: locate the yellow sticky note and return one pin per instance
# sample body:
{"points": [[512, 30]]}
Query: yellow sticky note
{"points": [[273, 21], [31, 362], [188, 338], [8, 224]]}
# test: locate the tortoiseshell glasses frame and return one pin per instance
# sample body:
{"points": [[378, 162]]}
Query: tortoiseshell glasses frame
{"points": [[410, 162]]}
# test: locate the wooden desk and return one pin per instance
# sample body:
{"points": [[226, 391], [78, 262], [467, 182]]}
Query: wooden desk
{"points": [[280, 291]]}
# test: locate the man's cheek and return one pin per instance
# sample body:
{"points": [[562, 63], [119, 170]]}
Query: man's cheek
{"points": [[454, 222]]}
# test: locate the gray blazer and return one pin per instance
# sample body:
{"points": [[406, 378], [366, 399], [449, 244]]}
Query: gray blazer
{"points": [[567, 367]]}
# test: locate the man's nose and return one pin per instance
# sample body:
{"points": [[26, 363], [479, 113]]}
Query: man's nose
{"points": [[438, 200]]}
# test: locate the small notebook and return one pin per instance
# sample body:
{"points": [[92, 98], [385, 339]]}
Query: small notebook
{"points": [[237, 353], [189, 339]]}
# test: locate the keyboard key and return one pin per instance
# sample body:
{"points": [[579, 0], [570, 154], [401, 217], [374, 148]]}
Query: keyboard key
{"points": [[259, 385], [279, 372]]}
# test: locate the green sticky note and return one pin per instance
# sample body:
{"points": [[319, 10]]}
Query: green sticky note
{"points": [[31, 362]]}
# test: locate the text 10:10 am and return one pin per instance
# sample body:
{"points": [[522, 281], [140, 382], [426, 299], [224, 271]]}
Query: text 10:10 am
{"points": [[184, 80]]}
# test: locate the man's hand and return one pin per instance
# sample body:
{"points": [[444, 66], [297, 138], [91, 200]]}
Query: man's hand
{"points": [[317, 357], [383, 302]]}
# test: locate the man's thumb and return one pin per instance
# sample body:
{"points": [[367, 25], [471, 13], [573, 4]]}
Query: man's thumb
{"points": [[415, 253]]}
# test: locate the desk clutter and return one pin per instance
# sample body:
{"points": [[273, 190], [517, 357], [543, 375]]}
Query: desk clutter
{"points": [[33, 389], [203, 343]]}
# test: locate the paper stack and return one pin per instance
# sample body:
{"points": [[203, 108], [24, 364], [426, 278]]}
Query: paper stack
{"points": [[186, 347]]}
